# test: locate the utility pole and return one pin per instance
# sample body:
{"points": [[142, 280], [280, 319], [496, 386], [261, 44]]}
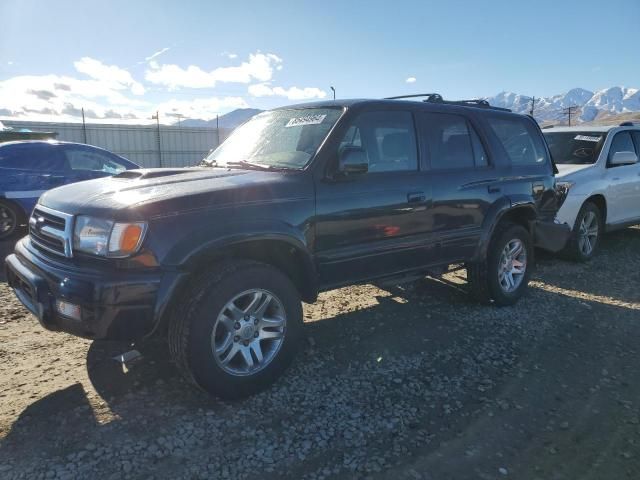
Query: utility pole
{"points": [[156, 117], [218, 129], [533, 105], [570, 111], [84, 127], [334, 92]]}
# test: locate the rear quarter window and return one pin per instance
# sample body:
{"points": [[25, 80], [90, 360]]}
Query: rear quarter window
{"points": [[521, 140]]}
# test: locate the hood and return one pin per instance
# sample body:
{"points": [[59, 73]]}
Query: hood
{"points": [[567, 169], [149, 193]]}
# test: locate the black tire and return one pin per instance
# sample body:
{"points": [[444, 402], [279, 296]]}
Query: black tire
{"points": [[574, 249], [192, 327], [483, 276], [10, 219]]}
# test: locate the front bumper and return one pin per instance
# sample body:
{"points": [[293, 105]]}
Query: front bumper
{"points": [[115, 304], [551, 236]]}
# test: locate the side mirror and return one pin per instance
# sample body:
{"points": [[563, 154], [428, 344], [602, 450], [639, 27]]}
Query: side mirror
{"points": [[353, 160], [623, 158]]}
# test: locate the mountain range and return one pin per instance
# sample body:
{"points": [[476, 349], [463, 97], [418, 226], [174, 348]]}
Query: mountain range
{"points": [[228, 120], [609, 104], [590, 106]]}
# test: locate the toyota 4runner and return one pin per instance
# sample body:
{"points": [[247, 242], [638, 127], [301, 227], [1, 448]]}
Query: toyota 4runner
{"points": [[298, 200]]}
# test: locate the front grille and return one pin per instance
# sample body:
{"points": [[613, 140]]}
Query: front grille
{"points": [[51, 230]]}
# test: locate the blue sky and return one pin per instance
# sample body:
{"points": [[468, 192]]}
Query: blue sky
{"points": [[217, 56]]}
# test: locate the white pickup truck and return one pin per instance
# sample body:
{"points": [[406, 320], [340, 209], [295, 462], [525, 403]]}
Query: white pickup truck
{"points": [[600, 175]]}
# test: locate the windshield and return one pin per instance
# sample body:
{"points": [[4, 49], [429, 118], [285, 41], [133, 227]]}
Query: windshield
{"points": [[575, 148], [278, 138]]}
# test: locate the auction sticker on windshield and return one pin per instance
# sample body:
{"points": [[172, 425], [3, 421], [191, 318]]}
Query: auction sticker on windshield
{"points": [[306, 120], [587, 138]]}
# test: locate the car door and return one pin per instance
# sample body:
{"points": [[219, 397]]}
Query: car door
{"points": [[30, 169], [636, 195], [464, 182], [375, 223], [623, 190], [86, 163]]}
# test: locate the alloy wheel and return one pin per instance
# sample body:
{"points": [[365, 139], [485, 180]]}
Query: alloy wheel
{"points": [[588, 233], [249, 332], [513, 265]]}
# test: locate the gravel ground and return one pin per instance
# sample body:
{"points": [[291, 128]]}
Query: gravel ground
{"points": [[406, 382]]}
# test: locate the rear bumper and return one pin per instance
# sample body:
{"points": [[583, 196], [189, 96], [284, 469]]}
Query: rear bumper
{"points": [[551, 236], [114, 304]]}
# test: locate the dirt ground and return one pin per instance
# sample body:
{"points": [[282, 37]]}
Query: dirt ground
{"points": [[411, 381]]}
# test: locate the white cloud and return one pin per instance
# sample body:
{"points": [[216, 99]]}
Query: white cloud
{"points": [[259, 67], [10, 62], [229, 55], [292, 93], [203, 108], [54, 97], [411, 80], [116, 77]]}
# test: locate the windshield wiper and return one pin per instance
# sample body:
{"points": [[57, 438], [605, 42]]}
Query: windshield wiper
{"points": [[256, 166]]}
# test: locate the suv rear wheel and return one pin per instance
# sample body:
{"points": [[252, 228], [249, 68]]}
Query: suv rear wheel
{"points": [[239, 330], [503, 277], [586, 234]]}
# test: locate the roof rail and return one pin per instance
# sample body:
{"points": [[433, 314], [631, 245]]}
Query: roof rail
{"points": [[630, 124], [547, 126], [427, 96], [437, 98]]}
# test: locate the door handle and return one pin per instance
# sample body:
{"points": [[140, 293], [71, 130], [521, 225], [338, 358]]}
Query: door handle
{"points": [[493, 189], [416, 197]]}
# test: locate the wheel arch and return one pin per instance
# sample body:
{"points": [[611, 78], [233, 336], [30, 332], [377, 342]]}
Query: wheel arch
{"points": [[281, 252], [522, 213], [600, 201]]}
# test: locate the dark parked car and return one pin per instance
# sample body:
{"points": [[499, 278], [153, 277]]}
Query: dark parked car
{"points": [[29, 168], [298, 200]]}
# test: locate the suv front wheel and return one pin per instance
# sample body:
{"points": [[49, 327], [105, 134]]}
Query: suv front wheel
{"points": [[503, 277], [239, 329]]}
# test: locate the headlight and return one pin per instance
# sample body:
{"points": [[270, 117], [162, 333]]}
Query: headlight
{"points": [[107, 238], [562, 190]]}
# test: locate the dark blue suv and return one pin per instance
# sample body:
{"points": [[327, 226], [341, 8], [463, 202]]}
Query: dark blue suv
{"points": [[29, 168]]}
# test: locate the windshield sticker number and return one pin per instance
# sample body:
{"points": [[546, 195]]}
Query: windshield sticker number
{"points": [[587, 138], [308, 120]]}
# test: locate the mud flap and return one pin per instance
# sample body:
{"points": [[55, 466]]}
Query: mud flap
{"points": [[551, 236]]}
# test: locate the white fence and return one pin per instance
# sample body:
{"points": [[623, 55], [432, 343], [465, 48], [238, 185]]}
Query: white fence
{"points": [[177, 146]]}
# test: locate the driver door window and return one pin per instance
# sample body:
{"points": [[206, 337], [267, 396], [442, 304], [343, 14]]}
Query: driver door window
{"points": [[388, 140]]}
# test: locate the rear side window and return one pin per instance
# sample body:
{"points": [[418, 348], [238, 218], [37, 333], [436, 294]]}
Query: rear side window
{"points": [[621, 143], [451, 141], [45, 158], [520, 139], [636, 139], [387, 138]]}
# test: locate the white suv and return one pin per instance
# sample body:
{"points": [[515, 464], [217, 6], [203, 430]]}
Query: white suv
{"points": [[600, 175]]}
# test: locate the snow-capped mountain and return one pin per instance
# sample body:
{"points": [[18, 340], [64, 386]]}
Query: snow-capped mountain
{"points": [[591, 105]]}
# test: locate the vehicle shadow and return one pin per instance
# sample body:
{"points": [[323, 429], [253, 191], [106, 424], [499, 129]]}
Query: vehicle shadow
{"points": [[618, 253]]}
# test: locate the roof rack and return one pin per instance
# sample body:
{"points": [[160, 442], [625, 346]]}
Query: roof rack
{"points": [[630, 124], [547, 126], [437, 98]]}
